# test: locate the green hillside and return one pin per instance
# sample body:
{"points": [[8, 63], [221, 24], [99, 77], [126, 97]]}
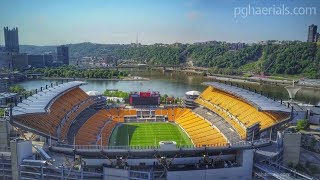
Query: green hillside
{"points": [[287, 58]]}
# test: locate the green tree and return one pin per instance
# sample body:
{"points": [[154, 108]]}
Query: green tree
{"points": [[17, 89], [2, 112], [120, 94], [72, 72], [302, 124]]}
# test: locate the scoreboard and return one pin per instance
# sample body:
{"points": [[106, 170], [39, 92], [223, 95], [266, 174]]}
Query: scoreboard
{"points": [[144, 98]]}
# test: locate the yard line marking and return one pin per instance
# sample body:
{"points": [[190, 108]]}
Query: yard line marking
{"points": [[169, 131]]}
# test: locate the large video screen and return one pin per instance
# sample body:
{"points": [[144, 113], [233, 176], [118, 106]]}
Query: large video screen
{"points": [[144, 101]]}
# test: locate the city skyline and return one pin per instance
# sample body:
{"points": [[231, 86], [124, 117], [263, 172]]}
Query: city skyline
{"points": [[183, 21]]}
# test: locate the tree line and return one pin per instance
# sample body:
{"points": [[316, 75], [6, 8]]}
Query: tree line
{"points": [[72, 72], [291, 58]]}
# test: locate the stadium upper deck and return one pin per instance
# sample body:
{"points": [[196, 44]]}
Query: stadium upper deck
{"points": [[243, 109], [40, 102], [261, 102], [51, 112]]}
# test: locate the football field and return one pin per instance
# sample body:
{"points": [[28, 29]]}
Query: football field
{"points": [[147, 134]]}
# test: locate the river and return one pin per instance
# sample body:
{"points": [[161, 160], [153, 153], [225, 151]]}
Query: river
{"points": [[176, 84]]}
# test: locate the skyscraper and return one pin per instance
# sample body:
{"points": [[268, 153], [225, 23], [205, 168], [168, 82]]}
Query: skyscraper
{"points": [[63, 54], [19, 61], [36, 60], [11, 39], [312, 33]]}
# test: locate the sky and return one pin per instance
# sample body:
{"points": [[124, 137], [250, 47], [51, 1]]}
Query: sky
{"points": [[53, 22]]}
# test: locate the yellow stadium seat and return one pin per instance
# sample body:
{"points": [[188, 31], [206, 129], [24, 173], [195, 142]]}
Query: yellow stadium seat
{"points": [[244, 112], [200, 131]]}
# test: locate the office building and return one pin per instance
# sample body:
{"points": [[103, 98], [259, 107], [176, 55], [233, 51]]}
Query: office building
{"points": [[63, 54], [36, 61], [4, 85], [5, 60], [19, 61], [11, 39], [40, 60], [48, 60], [312, 33]]}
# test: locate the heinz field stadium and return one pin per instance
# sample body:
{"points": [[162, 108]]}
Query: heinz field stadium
{"points": [[214, 134]]}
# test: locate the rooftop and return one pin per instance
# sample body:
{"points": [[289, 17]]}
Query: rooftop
{"points": [[7, 95], [261, 102], [38, 103]]}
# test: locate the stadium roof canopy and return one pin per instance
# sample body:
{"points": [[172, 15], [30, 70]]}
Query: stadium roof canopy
{"points": [[94, 93], [39, 102], [261, 102], [193, 93]]}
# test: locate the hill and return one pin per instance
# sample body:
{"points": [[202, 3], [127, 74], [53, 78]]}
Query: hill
{"points": [[290, 58]]}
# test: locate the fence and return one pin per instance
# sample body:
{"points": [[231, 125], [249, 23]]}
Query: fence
{"points": [[240, 144]]}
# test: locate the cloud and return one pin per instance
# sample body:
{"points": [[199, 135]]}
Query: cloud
{"points": [[193, 15]]}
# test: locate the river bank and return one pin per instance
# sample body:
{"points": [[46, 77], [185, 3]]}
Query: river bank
{"points": [[260, 81], [132, 78], [277, 80]]}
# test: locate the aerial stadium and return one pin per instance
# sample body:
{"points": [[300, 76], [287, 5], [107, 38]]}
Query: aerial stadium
{"points": [[213, 135]]}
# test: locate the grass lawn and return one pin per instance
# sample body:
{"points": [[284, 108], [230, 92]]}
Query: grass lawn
{"points": [[286, 77], [147, 134]]}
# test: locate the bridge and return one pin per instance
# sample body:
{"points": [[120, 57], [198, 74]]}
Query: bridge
{"points": [[34, 75]]}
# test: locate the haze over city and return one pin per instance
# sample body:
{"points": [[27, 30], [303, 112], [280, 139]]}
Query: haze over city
{"points": [[185, 21]]}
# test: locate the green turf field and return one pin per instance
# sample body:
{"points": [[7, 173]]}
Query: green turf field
{"points": [[147, 134]]}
